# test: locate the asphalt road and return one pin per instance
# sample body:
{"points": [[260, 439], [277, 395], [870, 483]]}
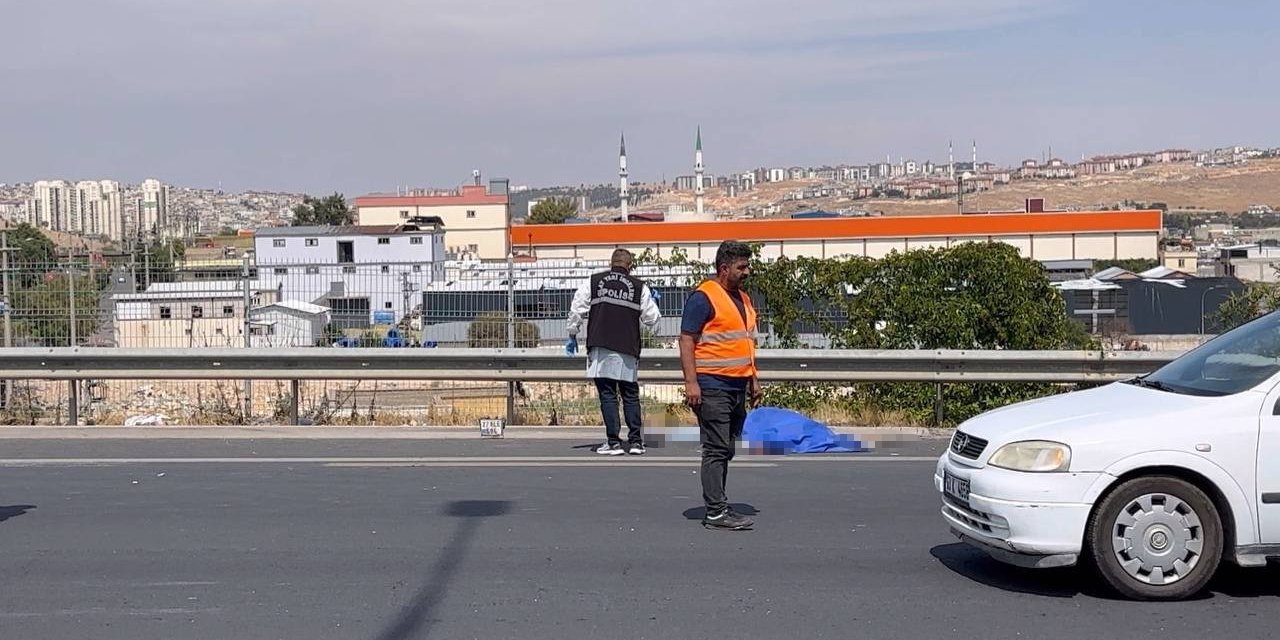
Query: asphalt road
{"points": [[532, 539]]}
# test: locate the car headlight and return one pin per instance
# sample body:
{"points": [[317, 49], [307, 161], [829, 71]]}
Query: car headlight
{"points": [[1032, 455]]}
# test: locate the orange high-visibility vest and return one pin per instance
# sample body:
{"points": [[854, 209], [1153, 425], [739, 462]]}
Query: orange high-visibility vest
{"points": [[727, 346]]}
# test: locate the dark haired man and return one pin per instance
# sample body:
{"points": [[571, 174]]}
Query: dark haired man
{"points": [[717, 355]]}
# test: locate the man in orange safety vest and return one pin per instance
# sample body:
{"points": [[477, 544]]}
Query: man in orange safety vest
{"points": [[717, 355]]}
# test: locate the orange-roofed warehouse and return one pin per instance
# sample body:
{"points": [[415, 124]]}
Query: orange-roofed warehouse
{"points": [[1055, 235]]}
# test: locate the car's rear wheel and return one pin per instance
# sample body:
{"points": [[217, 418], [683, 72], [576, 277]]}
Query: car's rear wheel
{"points": [[1156, 538]]}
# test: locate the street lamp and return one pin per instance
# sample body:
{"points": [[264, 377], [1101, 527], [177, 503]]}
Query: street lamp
{"points": [[1202, 297]]}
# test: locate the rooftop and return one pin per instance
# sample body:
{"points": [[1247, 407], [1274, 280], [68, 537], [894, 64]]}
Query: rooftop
{"points": [[198, 290], [350, 230], [970, 225], [296, 305], [467, 195], [177, 295], [201, 286]]}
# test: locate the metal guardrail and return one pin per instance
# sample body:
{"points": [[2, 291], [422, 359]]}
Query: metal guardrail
{"points": [[544, 365]]}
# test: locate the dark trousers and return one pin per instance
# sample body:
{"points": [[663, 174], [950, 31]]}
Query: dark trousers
{"points": [[721, 417], [609, 391]]}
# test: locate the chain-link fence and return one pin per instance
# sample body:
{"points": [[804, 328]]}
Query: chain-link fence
{"points": [[132, 304], [151, 304]]}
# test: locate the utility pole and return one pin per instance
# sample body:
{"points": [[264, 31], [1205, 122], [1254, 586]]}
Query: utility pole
{"points": [[407, 291], [8, 307], [248, 341], [71, 297], [4, 265], [133, 266], [511, 331], [73, 386]]}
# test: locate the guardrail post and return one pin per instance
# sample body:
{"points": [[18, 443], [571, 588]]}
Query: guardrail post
{"points": [[293, 402], [73, 402], [939, 407]]}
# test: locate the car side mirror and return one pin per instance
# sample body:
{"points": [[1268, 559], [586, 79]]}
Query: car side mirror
{"points": [[1275, 411]]}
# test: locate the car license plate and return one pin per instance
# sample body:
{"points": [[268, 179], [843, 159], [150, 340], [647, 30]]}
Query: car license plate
{"points": [[957, 488]]}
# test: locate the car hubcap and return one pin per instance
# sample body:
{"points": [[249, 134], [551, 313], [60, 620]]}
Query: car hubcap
{"points": [[1158, 539]]}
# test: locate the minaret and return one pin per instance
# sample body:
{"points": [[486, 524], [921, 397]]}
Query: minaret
{"points": [[975, 156], [951, 160], [622, 177], [697, 173]]}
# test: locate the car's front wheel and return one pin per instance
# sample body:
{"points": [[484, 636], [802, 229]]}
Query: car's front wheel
{"points": [[1156, 538]]}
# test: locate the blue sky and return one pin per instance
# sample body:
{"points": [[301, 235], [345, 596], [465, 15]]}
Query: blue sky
{"points": [[323, 95]]}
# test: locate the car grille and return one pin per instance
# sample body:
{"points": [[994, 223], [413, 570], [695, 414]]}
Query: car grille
{"points": [[989, 524], [967, 446]]}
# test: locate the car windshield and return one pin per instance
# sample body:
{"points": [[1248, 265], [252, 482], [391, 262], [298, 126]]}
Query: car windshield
{"points": [[1236, 361]]}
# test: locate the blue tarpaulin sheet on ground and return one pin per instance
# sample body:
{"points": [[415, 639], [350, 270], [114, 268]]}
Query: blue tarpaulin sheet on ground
{"points": [[782, 431]]}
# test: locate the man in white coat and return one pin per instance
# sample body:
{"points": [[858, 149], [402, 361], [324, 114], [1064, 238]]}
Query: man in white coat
{"points": [[615, 305]]}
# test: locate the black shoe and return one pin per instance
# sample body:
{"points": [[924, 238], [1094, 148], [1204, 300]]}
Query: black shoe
{"points": [[727, 520], [635, 449]]}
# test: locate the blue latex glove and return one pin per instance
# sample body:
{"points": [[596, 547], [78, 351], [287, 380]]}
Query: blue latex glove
{"points": [[653, 293], [571, 347]]}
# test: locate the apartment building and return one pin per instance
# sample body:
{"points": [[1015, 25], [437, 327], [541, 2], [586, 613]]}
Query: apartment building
{"points": [[355, 271], [151, 211]]}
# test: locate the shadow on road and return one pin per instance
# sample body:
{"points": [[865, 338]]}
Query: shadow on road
{"points": [[416, 619], [14, 511], [1237, 582], [698, 513], [1231, 581], [979, 567]]}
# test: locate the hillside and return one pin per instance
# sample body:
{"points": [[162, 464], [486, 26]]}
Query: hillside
{"points": [[1180, 186]]}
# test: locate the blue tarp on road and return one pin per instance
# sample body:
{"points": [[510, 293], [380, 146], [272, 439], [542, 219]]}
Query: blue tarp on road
{"points": [[782, 431]]}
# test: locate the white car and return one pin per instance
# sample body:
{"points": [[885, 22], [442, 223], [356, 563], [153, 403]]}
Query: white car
{"points": [[1152, 481]]}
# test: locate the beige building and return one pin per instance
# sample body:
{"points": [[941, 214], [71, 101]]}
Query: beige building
{"points": [[1181, 259], [476, 219], [187, 314]]}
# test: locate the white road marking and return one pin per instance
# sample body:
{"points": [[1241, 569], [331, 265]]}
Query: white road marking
{"points": [[589, 463], [450, 460]]}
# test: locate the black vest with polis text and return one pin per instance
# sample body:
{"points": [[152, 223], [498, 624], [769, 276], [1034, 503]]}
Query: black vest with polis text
{"points": [[614, 321]]}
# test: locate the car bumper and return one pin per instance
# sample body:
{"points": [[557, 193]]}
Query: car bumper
{"points": [[1024, 519]]}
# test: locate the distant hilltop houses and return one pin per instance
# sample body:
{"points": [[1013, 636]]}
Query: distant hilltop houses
{"points": [[912, 179], [112, 211], [152, 210]]}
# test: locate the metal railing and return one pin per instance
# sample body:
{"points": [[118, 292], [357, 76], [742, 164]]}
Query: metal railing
{"points": [[77, 365]]}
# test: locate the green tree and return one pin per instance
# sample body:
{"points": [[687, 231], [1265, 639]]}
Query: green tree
{"points": [[552, 211], [969, 296], [329, 210], [42, 312], [161, 256], [34, 255], [1255, 300], [32, 246]]}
